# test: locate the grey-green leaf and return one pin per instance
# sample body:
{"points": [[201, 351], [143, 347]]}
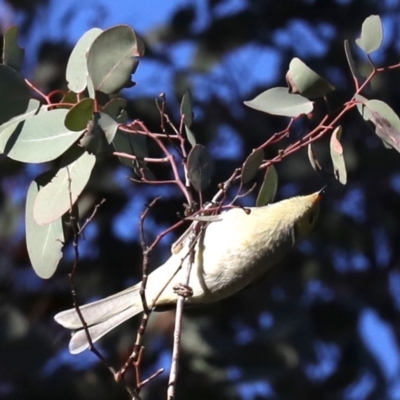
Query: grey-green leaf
{"points": [[13, 54], [251, 165], [303, 80], [14, 94], [115, 109], [371, 34], [61, 193], [268, 188], [352, 64], [190, 136], [386, 121], [313, 159], [77, 72], [111, 59], [336, 149], [278, 101], [31, 110], [199, 167], [187, 108], [38, 139], [44, 243]]}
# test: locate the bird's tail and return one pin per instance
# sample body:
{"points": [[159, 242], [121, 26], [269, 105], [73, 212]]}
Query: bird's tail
{"points": [[101, 317]]}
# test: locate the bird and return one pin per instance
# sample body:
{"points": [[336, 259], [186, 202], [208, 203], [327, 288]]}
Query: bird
{"points": [[233, 252]]}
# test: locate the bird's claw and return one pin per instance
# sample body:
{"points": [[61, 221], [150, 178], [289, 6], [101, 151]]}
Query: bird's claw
{"points": [[183, 290]]}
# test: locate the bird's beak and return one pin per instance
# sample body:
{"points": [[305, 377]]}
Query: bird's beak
{"points": [[319, 194]]}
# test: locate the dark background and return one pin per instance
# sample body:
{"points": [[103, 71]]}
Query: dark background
{"points": [[326, 326]]}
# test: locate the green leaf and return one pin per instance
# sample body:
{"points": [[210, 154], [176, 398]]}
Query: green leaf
{"points": [[13, 54], [251, 165], [38, 139], [111, 59], [77, 71], [61, 193], [278, 101], [268, 188], [336, 149], [79, 115], [200, 167], [14, 94], [187, 108], [44, 243], [302, 79], [371, 34], [69, 97]]}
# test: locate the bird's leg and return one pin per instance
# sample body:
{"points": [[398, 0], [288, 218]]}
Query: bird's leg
{"points": [[183, 290]]}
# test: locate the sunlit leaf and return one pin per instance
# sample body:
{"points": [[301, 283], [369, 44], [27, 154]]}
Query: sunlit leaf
{"points": [[58, 195], [77, 71], [336, 149], [44, 243], [371, 34], [14, 94], [111, 59], [268, 188], [13, 54], [200, 167], [79, 115], [303, 80], [251, 165], [278, 101], [38, 139], [190, 136]]}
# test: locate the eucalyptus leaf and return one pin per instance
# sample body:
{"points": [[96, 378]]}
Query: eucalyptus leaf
{"points": [[14, 94], [13, 54], [77, 71], [38, 139], [190, 136], [251, 165], [268, 188], [44, 243], [187, 108], [336, 150], [313, 159], [134, 145], [302, 79], [371, 34], [31, 110], [386, 121], [278, 101], [199, 167], [61, 193], [110, 59], [79, 115], [352, 64], [115, 109]]}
